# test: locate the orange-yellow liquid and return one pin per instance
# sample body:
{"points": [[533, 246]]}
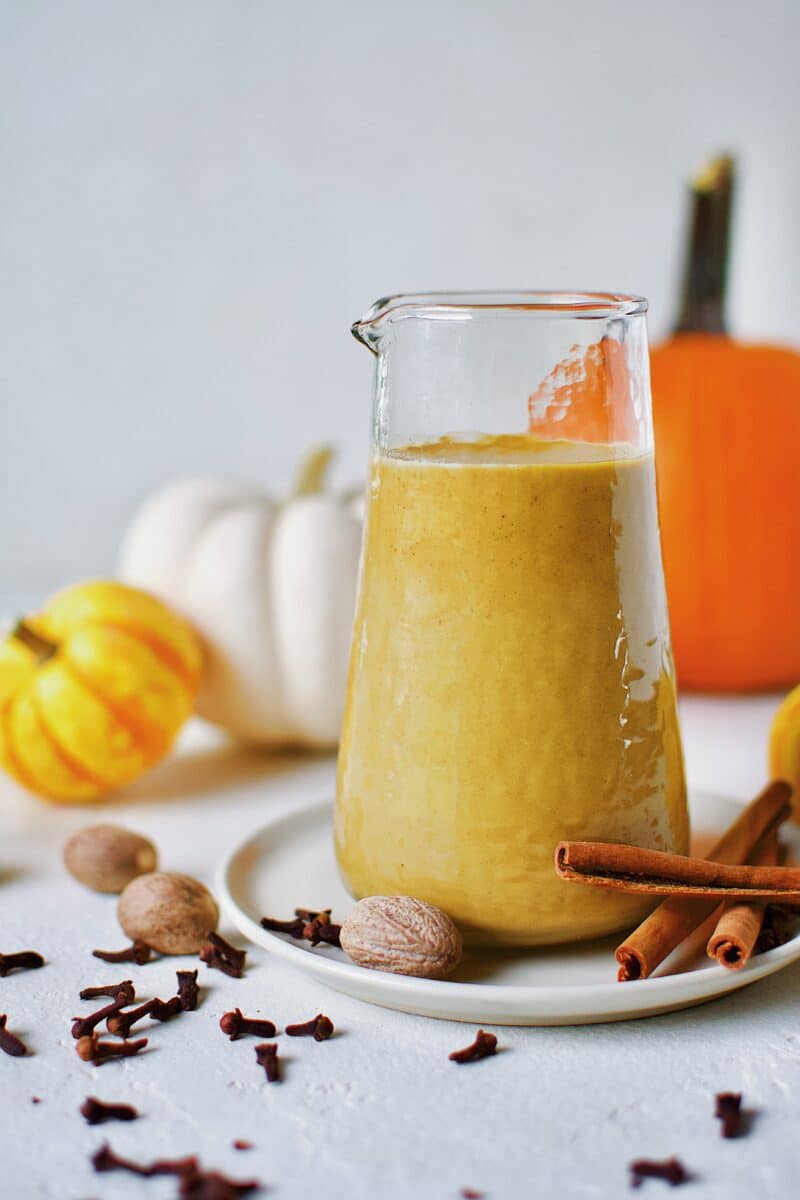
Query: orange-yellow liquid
{"points": [[510, 684]]}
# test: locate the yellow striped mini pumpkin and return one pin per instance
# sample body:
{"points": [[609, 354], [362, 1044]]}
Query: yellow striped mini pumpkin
{"points": [[93, 690]]}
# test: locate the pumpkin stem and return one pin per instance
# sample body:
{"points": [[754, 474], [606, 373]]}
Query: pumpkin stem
{"points": [[42, 647], [706, 269], [313, 469]]}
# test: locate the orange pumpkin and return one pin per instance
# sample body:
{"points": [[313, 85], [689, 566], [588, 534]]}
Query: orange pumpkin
{"points": [[727, 426]]}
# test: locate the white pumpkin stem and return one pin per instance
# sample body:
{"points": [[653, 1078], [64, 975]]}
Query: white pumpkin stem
{"points": [[310, 477], [42, 647]]}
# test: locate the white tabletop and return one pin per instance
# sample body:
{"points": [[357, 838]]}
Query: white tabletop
{"points": [[379, 1110]]}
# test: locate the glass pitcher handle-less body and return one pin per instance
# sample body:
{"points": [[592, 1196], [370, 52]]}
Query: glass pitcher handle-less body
{"points": [[511, 680]]}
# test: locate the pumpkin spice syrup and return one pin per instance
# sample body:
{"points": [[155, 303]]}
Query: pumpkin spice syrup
{"points": [[510, 683]]}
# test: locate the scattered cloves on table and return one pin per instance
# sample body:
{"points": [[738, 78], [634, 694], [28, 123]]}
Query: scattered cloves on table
{"points": [[25, 960], [82, 1026], [194, 1183], [671, 1170], [138, 952], [729, 1111], [319, 1027], [267, 1057], [235, 1025], [92, 1050], [114, 990], [223, 956], [9, 1042], [188, 991], [484, 1045], [97, 1112]]}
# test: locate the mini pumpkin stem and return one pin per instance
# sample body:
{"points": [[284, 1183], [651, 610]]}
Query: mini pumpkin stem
{"points": [[313, 469], [705, 274], [42, 647]]}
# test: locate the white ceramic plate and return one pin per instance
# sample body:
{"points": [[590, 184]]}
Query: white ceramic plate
{"points": [[290, 861]]}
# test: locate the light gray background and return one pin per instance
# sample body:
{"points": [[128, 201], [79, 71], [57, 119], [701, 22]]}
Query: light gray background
{"points": [[197, 198]]}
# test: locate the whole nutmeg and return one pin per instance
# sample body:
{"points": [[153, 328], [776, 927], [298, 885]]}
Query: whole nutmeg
{"points": [[403, 935], [107, 857], [172, 913]]}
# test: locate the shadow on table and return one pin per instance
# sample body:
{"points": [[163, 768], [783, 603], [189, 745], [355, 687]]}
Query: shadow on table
{"points": [[199, 772]]}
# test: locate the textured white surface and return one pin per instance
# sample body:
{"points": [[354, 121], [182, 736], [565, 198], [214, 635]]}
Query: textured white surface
{"points": [[378, 1110]]}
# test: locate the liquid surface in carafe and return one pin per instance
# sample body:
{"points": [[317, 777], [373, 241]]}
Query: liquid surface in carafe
{"points": [[510, 683]]}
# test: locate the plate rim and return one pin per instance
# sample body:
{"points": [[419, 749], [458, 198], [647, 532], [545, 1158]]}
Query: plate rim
{"points": [[613, 1000]]}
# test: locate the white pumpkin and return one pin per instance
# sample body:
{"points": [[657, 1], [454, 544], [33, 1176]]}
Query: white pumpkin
{"points": [[270, 587]]}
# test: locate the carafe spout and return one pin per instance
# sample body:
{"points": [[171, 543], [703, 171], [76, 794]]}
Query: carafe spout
{"points": [[368, 329]]}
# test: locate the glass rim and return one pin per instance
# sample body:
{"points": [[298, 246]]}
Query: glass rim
{"points": [[463, 305]]}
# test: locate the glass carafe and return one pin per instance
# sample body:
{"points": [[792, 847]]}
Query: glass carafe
{"points": [[511, 680]]}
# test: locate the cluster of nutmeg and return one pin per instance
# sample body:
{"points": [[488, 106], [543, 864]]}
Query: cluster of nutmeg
{"points": [[173, 914], [162, 910]]}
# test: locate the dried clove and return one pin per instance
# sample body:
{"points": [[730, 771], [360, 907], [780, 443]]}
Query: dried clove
{"points": [[25, 960], [319, 1027], [138, 952], [114, 990], [9, 1042], [267, 1057], [294, 928], [97, 1112], [308, 924], [671, 1170], [91, 1049], [165, 1010], [121, 1023], [81, 1026], [193, 1182], [188, 991], [241, 1144], [317, 931], [468, 1193], [235, 1025], [310, 914], [210, 1185], [484, 1045], [729, 1111], [105, 1159], [223, 956], [776, 929]]}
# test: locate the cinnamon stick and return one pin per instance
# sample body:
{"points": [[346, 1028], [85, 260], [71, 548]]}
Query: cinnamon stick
{"points": [[737, 931], [674, 919], [633, 869]]}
